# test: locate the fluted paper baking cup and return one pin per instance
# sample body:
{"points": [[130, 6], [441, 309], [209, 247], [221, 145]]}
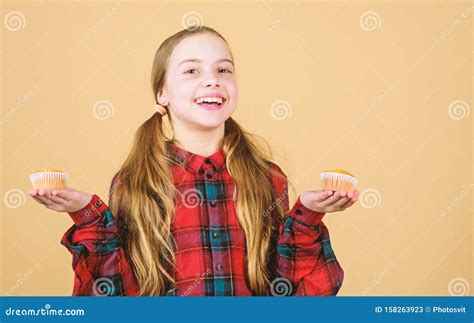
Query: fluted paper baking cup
{"points": [[49, 180], [337, 182]]}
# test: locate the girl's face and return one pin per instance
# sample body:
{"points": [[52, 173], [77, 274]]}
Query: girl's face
{"points": [[200, 67]]}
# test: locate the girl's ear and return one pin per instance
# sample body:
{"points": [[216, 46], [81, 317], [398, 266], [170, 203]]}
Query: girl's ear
{"points": [[161, 98]]}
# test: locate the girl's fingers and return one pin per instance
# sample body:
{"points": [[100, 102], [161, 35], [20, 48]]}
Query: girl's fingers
{"points": [[64, 194], [52, 199], [47, 198], [350, 203], [341, 202], [43, 200], [331, 200], [51, 203], [57, 200], [320, 196], [47, 194], [37, 199]]}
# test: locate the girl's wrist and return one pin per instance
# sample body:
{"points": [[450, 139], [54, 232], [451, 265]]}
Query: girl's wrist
{"points": [[305, 200]]}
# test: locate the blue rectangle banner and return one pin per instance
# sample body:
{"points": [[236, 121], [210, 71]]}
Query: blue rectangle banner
{"points": [[237, 309]]}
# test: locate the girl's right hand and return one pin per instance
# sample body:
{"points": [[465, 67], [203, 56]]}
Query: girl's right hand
{"points": [[66, 200]]}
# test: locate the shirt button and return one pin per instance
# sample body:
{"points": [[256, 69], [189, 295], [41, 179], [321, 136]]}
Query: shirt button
{"points": [[298, 211], [98, 204], [215, 235], [207, 161], [209, 176], [213, 203], [219, 267]]}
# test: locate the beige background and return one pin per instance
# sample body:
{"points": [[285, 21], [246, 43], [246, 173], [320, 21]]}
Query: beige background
{"points": [[383, 90]]}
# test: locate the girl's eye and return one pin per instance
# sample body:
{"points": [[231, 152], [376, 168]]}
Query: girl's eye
{"points": [[188, 71], [226, 70]]}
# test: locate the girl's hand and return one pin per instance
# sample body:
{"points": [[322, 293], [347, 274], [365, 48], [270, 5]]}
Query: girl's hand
{"points": [[66, 200], [329, 201]]}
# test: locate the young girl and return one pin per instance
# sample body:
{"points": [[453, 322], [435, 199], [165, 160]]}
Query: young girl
{"points": [[205, 212]]}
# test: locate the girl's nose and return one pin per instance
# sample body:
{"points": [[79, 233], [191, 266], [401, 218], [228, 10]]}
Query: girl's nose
{"points": [[210, 80]]}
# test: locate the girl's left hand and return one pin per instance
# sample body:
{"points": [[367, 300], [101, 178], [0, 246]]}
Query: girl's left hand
{"points": [[329, 201]]}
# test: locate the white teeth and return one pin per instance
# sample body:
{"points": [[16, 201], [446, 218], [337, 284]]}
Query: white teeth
{"points": [[209, 100]]}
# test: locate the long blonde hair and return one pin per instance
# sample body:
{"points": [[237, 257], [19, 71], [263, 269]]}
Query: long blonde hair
{"points": [[142, 194]]}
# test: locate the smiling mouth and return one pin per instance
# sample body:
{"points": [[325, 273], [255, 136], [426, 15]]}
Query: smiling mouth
{"points": [[210, 102]]}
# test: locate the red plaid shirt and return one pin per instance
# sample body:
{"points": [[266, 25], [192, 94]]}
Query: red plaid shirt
{"points": [[209, 241]]}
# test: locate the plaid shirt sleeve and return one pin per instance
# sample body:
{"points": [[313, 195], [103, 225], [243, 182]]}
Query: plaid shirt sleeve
{"points": [[304, 254], [98, 258]]}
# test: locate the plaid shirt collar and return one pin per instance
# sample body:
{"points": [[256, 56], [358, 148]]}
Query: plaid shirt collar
{"points": [[196, 163]]}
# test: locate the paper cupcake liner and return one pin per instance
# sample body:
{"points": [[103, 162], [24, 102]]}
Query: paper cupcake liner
{"points": [[49, 180], [337, 182]]}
